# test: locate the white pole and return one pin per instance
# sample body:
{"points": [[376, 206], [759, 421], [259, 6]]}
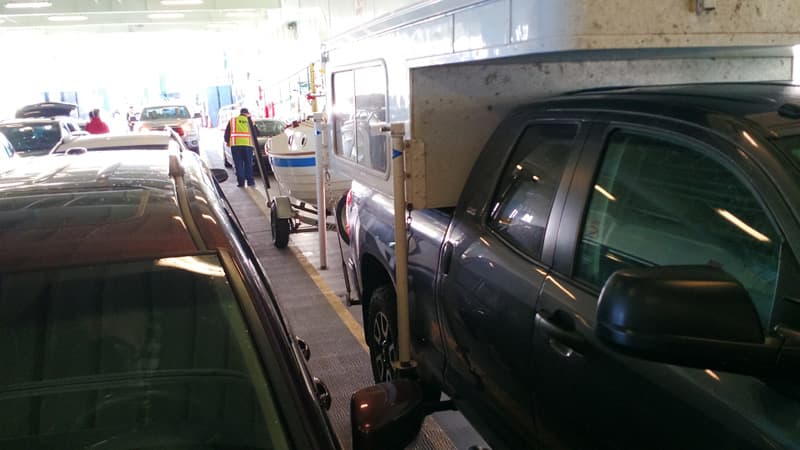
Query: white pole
{"points": [[400, 245], [321, 154]]}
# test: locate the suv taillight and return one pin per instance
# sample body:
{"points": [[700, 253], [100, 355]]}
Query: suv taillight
{"points": [[348, 203]]}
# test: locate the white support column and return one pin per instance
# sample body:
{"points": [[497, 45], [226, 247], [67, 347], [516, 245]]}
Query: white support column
{"points": [[321, 150], [401, 246]]}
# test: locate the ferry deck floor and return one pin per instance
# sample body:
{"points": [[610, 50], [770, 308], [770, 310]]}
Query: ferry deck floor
{"points": [[313, 300]]}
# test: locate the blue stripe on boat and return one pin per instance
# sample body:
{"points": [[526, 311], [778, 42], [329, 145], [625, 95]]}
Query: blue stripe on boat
{"points": [[293, 162]]}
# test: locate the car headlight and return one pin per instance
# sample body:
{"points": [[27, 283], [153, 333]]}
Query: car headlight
{"points": [[144, 128]]}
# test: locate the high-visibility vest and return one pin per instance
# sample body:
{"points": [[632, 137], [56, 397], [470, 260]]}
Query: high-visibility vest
{"points": [[240, 132]]}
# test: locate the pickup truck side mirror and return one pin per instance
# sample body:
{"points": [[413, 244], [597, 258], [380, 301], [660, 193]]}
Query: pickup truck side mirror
{"points": [[386, 416], [696, 316], [197, 116]]}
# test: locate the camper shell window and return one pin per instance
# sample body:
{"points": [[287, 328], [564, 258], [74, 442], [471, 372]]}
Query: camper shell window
{"points": [[359, 113]]}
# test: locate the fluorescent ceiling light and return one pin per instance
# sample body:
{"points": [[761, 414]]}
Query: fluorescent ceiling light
{"points": [[165, 16], [67, 18], [181, 2], [241, 14], [23, 5]]}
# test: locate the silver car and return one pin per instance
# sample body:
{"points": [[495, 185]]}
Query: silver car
{"points": [[176, 117]]}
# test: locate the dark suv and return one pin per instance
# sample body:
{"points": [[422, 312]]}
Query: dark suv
{"points": [[620, 272], [134, 314]]}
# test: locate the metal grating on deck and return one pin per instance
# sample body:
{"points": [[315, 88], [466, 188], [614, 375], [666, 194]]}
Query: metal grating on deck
{"points": [[337, 356]]}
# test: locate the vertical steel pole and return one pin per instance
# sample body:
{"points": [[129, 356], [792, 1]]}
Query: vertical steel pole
{"points": [[400, 245], [312, 82], [321, 156]]}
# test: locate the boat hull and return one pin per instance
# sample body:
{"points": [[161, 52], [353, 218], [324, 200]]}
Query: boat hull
{"points": [[297, 175]]}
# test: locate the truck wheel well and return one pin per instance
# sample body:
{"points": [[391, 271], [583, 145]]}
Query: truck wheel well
{"points": [[373, 275]]}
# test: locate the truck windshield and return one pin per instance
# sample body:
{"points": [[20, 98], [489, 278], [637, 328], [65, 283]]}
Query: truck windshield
{"points": [[145, 354]]}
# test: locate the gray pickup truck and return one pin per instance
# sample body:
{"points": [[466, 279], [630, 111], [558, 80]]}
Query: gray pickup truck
{"points": [[620, 272]]}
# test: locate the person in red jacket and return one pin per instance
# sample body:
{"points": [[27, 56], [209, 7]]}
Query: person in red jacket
{"points": [[96, 125]]}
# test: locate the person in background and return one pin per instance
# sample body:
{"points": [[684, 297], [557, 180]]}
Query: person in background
{"points": [[96, 124], [241, 137], [131, 118]]}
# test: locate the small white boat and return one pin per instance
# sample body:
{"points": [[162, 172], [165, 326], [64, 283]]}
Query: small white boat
{"points": [[294, 164]]}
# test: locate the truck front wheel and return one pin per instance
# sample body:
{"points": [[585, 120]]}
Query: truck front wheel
{"points": [[382, 333]]}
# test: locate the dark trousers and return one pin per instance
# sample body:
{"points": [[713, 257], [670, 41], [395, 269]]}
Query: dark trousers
{"points": [[243, 162]]}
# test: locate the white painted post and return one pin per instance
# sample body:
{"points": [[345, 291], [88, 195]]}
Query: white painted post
{"points": [[401, 246], [321, 156]]}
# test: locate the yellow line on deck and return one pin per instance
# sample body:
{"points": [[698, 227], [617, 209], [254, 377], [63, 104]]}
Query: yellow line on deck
{"points": [[336, 303]]}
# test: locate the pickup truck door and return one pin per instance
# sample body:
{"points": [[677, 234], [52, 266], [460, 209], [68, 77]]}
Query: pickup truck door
{"points": [[493, 262], [654, 194]]}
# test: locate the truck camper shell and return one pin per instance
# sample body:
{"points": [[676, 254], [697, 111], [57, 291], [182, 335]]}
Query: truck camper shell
{"points": [[450, 70]]}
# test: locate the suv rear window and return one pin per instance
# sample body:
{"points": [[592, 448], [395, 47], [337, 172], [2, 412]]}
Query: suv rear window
{"points": [[32, 139], [269, 127], [165, 112], [146, 354]]}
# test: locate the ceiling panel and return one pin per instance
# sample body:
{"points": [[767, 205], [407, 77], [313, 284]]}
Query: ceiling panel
{"points": [[117, 15]]}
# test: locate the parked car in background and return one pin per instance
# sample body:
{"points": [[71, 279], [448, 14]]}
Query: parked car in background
{"points": [[266, 129], [620, 272], [66, 112], [144, 140], [176, 117], [34, 137]]}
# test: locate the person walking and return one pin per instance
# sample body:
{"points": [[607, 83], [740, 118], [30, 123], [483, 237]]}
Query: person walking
{"points": [[131, 118], [241, 137], [96, 124]]}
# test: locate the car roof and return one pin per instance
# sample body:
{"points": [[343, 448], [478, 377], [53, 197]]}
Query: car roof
{"points": [[761, 105], [168, 105], [95, 207], [144, 140]]}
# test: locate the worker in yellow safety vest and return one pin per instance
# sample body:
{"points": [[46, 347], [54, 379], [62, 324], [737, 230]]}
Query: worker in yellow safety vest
{"points": [[241, 137]]}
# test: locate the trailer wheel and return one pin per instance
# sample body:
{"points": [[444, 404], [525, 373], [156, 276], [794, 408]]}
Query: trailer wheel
{"points": [[279, 227], [382, 333], [341, 219]]}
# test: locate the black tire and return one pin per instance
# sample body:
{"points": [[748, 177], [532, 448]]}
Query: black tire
{"points": [[381, 333], [341, 219], [278, 227]]}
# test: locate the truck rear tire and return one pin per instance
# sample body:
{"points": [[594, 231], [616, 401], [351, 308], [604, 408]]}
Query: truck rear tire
{"points": [[381, 330]]}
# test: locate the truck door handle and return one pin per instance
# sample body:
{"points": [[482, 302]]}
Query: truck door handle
{"points": [[559, 327], [447, 256]]}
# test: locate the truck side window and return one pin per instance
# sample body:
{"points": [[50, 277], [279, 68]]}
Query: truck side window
{"points": [[521, 206], [658, 201], [359, 111]]}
